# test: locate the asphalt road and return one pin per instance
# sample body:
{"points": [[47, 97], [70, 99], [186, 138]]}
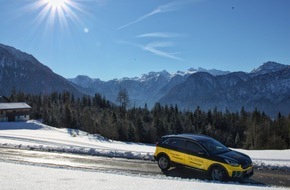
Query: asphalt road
{"points": [[129, 166]]}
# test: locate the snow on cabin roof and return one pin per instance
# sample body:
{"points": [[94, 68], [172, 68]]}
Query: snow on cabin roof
{"points": [[14, 105]]}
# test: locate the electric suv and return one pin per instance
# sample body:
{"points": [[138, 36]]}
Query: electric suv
{"points": [[202, 153]]}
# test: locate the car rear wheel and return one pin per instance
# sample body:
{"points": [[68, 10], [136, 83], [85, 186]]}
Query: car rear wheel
{"points": [[163, 162], [217, 173]]}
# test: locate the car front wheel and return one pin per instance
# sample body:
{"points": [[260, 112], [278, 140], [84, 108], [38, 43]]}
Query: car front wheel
{"points": [[163, 162], [218, 174]]}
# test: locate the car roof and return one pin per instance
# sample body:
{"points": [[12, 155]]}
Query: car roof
{"points": [[195, 137]]}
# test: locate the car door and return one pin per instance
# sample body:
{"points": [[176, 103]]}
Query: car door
{"points": [[195, 155], [176, 151]]}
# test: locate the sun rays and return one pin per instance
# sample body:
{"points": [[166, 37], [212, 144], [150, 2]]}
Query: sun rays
{"points": [[56, 4], [58, 13]]}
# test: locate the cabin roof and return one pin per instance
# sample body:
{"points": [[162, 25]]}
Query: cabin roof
{"points": [[14, 105]]}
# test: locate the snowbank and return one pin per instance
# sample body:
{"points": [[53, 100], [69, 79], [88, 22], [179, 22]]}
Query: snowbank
{"points": [[37, 136]]}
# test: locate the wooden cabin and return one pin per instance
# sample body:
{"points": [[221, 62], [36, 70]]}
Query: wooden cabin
{"points": [[14, 111]]}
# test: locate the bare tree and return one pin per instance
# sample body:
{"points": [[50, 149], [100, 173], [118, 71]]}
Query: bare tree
{"points": [[123, 98]]}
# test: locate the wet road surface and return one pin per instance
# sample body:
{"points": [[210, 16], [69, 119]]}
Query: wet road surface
{"points": [[130, 166]]}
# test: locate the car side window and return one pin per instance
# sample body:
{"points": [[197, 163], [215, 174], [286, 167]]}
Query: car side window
{"points": [[192, 147], [166, 142], [176, 143]]}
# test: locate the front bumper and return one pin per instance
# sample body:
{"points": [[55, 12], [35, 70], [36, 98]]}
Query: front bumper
{"points": [[243, 174]]}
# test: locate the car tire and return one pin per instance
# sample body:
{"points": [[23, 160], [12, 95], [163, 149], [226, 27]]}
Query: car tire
{"points": [[217, 173], [163, 162]]}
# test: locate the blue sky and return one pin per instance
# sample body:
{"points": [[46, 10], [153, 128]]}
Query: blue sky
{"points": [[110, 39]]}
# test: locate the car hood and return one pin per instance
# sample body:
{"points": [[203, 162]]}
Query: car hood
{"points": [[238, 157]]}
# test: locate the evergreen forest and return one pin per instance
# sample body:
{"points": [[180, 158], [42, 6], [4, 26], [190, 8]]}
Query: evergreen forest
{"points": [[96, 115]]}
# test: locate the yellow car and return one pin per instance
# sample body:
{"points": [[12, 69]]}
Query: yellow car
{"points": [[202, 153]]}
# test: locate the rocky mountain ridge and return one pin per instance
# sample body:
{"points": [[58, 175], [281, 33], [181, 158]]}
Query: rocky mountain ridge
{"points": [[268, 92], [266, 88], [23, 72]]}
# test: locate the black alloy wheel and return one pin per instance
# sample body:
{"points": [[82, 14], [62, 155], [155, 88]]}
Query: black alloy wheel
{"points": [[217, 173], [163, 162]]}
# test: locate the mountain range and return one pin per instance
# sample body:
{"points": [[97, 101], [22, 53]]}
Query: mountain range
{"points": [[266, 88], [146, 89]]}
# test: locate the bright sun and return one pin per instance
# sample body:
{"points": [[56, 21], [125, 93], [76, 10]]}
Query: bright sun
{"points": [[56, 4], [56, 13]]}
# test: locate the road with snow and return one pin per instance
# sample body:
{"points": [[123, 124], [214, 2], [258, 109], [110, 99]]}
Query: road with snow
{"points": [[129, 166], [71, 159]]}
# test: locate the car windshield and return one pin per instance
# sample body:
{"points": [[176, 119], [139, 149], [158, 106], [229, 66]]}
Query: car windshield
{"points": [[214, 147]]}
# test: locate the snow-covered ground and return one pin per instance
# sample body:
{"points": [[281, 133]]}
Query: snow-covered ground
{"points": [[35, 135], [27, 177]]}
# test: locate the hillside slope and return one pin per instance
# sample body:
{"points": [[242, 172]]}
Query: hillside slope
{"points": [[23, 72]]}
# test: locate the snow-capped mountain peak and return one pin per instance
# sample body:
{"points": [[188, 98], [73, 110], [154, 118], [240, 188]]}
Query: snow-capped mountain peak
{"points": [[154, 75], [188, 72], [268, 67], [191, 71]]}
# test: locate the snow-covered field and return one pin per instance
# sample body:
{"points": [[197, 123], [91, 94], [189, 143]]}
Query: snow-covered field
{"points": [[35, 135]]}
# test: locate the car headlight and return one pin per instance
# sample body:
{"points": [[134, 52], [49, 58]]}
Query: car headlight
{"points": [[232, 163]]}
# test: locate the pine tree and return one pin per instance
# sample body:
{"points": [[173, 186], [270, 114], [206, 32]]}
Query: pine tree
{"points": [[141, 131], [131, 133]]}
